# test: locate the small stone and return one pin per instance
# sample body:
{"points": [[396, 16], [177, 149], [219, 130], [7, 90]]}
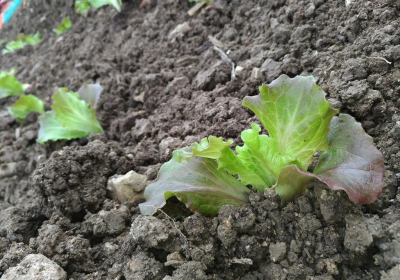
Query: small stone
{"points": [[128, 187], [8, 169], [179, 31], [35, 267], [277, 251], [256, 73], [142, 267]]}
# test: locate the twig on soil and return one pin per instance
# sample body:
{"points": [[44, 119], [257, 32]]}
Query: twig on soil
{"points": [[381, 58], [226, 58]]}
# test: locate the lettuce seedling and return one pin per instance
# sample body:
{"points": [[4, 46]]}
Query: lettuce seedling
{"points": [[10, 86], [82, 7], [300, 122], [64, 26], [23, 40], [24, 105], [100, 3], [73, 115]]}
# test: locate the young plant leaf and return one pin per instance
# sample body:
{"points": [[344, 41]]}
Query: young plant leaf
{"points": [[90, 93], [198, 183], [352, 163], [22, 41], [71, 118], [9, 85], [100, 3], [75, 113], [82, 7], [64, 26], [52, 129], [13, 46], [24, 105], [296, 115], [257, 162], [33, 40]]}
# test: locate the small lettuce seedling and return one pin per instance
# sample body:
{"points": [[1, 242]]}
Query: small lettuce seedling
{"points": [[100, 3], [300, 122], [82, 7], [10, 86], [64, 26], [73, 115], [23, 40], [24, 105]]}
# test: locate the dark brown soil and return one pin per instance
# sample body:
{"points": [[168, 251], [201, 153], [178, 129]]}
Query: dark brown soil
{"points": [[165, 90]]}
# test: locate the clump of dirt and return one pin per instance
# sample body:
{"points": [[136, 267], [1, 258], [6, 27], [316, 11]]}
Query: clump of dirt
{"points": [[167, 85]]}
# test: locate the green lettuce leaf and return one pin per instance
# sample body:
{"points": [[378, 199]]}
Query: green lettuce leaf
{"points": [[10, 86], [100, 3], [22, 41], [82, 7], [71, 118], [24, 105], [33, 40], [256, 163], [13, 46], [352, 163], [52, 129], [296, 114], [75, 113], [64, 26], [197, 182]]}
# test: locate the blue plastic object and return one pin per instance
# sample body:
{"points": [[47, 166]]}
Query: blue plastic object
{"points": [[10, 10]]}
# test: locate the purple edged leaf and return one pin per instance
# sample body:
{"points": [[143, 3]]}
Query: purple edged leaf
{"points": [[352, 162], [198, 183], [90, 93]]}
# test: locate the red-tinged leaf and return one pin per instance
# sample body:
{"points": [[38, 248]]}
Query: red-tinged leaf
{"points": [[198, 183], [352, 163]]}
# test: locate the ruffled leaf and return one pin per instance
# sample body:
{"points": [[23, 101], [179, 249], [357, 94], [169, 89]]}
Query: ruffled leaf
{"points": [[64, 26], [100, 3], [10, 86], [71, 118], [24, 105], [352, 164], [198, 183], [296, 115]]}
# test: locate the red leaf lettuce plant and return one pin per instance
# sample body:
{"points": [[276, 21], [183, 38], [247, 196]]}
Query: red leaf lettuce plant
{"points": [[300, 122]]}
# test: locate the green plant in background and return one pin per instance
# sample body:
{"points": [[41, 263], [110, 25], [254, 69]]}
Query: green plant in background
{"points": [[10, 86], [23, 40], [73, 115], [64, 26], [24, 105], [100, 3], [300, 122], [82, 6]]}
